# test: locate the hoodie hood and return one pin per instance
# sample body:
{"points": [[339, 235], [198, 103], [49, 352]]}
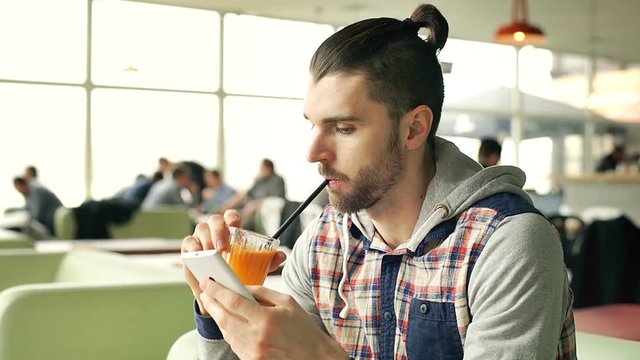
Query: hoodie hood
{"points": [[459, 182]]}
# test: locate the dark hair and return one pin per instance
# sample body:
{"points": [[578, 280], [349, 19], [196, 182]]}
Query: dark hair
{"points": [[268, 163], [401, 69], [32, 170], [180, 171], [489, 146], [215, 173], [157, 176], [20, 180]]}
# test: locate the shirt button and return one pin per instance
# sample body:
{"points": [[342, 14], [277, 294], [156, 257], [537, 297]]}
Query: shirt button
{"points": [[424, 308], [387, 315]]}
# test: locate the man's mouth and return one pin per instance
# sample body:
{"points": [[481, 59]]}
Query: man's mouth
{"points": [[334, 182]]}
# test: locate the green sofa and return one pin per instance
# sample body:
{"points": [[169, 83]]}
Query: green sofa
{"points": [[89, 305], [14, 240], [596, 347], [166, 223]]}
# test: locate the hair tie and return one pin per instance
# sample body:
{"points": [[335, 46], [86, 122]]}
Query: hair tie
{"points": [[414, 25]]}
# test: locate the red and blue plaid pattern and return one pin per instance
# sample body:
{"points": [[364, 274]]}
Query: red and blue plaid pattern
{"points": [[438, 272]]}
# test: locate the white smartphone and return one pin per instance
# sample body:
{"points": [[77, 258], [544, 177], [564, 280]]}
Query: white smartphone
{"points": [[210, 264]]}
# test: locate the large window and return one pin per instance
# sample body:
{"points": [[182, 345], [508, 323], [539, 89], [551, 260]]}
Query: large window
{"points": [[476, 68], [171, 48], [43, 40], [269, 57], [158, 74], [133, 128], [43, 126]]}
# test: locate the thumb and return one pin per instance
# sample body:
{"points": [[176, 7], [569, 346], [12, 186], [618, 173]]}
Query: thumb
{"points": [[278, 259], [268, 297]]}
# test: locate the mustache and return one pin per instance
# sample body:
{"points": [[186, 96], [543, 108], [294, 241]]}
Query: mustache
{"points": [[328, 172]]}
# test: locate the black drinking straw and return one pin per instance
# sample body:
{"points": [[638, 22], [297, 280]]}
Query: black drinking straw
{"points": [[300, 208]]}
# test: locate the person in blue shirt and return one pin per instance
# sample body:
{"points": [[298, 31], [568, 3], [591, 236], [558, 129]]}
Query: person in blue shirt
{"points": [[41, 203], [216, 193]]}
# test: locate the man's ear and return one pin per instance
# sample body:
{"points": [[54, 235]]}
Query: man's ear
{"points": [[418, 121]]}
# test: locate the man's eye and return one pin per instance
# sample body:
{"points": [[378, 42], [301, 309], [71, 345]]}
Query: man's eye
{"points": [[345, 130]]}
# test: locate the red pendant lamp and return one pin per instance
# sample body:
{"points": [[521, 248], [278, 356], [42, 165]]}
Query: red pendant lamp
{"points": [[519, 31]]}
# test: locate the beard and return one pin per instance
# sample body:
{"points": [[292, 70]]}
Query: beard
{"points": [[371, 182]]}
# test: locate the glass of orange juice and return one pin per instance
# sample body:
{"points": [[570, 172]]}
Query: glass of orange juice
{"points": [[250, 255]]}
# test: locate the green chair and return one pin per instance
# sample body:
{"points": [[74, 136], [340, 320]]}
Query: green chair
{"points": [[589, 346], [185, 348], [14, 240], [89, 305], [166, 223]]}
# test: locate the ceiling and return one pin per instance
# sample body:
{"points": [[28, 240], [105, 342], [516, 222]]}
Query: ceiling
{"points": [[605, 28]]}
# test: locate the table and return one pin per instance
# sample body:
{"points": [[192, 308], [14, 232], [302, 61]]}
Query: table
{"points": [[121, 246]]}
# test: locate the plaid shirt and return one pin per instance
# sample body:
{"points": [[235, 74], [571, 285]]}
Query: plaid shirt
{"points": [[405, 304]]}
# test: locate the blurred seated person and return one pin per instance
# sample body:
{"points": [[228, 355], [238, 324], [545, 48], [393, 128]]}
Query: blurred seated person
{"points": [[611, 161], [31, 175], [165, 167], [196, 174], [267, 184], [489, 152], [41, 204], [216, 193], [140, 189], [170, 192]]}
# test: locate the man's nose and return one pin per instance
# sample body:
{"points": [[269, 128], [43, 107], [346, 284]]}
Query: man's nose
{"points": [[320, 148]]}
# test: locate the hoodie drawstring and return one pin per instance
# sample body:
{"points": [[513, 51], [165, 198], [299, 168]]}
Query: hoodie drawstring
{"points": [[344, 243]]}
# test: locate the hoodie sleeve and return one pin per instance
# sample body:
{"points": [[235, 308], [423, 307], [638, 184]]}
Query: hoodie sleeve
{"points": [[518, 294], [296, 273]]}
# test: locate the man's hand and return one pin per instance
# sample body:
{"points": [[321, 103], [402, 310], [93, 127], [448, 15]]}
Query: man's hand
{"points": [[214, 234], [276, 328]]}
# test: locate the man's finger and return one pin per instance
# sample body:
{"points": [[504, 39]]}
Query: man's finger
{"points": [[267, 296], [232, 301], [218, 231], [203, 234], [232, 218], [189, 244], [221, 315], [278, 259], [191, 280]]}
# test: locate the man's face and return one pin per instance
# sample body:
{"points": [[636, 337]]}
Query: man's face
{"points": [[212, 180], [264, 171], [489, 160], [354, 141], [183, 181], [21, 188]]}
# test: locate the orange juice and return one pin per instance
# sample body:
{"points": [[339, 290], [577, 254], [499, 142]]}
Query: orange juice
{"points": [[251, 265]]}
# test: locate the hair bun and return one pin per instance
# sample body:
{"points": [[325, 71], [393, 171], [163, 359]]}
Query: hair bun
{"points": [[429, 17]]}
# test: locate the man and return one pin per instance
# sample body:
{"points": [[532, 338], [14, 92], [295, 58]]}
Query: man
{"points": [[216, 193], [421, 254], [31, 175], [165, 167], [41, 204], [489, 152], [611, 161], [136, 194], [168, 192], [267, 184]]}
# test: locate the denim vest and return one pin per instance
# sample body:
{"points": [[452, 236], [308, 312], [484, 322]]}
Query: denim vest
{"points": [[404, 304]]}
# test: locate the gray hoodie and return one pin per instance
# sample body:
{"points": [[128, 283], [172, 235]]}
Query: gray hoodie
{"points": [[517, 292]]}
